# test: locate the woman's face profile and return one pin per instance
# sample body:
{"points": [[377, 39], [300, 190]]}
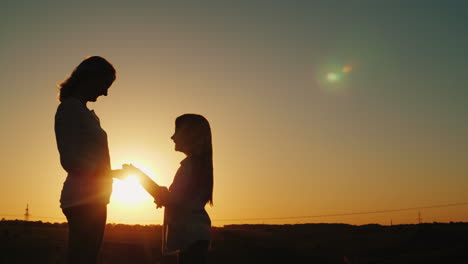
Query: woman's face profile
{"points": [[97, 87]]}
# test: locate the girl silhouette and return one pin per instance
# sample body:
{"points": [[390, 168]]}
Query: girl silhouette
{"points": [[187, 226]]}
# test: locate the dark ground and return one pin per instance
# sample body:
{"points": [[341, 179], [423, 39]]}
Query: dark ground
{"points": [[37, 242]]}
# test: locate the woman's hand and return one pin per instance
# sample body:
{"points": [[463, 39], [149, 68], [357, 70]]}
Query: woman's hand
{"points": [[120, 174]]}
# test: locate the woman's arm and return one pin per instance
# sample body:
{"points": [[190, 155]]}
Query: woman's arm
{"points": [[120, 174]]}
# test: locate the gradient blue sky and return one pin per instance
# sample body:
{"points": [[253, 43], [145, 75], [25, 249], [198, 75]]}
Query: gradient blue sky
{"points": [[391, 133]]}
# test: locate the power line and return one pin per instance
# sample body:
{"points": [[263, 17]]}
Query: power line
{"points": [[286, 217], [34, 217], [345, 214]]}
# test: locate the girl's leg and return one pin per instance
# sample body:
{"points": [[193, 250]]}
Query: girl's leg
{"points": [[197, 253]]}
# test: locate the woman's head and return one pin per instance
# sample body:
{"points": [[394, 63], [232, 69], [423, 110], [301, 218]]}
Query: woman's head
{"points": [[91, 79], [193, 137]]}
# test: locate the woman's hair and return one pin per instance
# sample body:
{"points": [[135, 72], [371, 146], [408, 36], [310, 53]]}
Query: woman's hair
{"points": [[199, 136], [90, 68]]}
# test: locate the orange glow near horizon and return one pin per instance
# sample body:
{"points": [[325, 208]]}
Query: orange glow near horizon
{"points": [[306, 120]]}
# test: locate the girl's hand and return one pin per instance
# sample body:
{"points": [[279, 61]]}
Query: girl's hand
{"points": [[161, 197]]}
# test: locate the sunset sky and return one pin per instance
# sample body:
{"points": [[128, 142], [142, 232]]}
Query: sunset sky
{"points": [[316, 107]]}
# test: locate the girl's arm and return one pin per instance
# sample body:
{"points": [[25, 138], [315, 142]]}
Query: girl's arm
{"points": [[150, 186], [175, 199], [162, 196]]}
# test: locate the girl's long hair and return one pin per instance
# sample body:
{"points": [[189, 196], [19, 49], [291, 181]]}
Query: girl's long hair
{"points": [[199, 132], [91, 67]]}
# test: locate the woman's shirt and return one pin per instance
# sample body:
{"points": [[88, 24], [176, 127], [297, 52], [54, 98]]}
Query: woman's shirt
{"points": [[185, 218], [84, 154]]}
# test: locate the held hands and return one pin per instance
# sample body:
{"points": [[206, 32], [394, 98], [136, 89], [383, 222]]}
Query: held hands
{"points": [[160, 193], [130, 169], [148, 184], [127, 170]]}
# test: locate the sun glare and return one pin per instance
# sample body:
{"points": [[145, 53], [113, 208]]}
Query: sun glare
{"points": [[129, 192]]}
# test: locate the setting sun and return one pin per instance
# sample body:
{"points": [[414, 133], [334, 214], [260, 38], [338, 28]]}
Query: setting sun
{"points": [[129, 192]]}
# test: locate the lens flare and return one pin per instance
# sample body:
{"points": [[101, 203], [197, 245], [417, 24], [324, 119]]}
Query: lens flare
{"points": [[347, 69], [332, 77]]}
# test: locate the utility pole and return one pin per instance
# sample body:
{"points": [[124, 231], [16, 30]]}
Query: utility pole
{"points": [[26, 214], [419, 217]]}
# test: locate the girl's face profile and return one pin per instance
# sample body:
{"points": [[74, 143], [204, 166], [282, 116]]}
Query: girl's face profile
{"points": [[181, 139]]}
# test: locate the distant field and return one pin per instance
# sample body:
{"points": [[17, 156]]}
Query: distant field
{"points": [[37, 242]]}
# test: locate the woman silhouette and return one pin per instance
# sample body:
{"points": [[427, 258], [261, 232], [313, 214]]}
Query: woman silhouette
{"points": [[84, 155], [187, 226]]}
